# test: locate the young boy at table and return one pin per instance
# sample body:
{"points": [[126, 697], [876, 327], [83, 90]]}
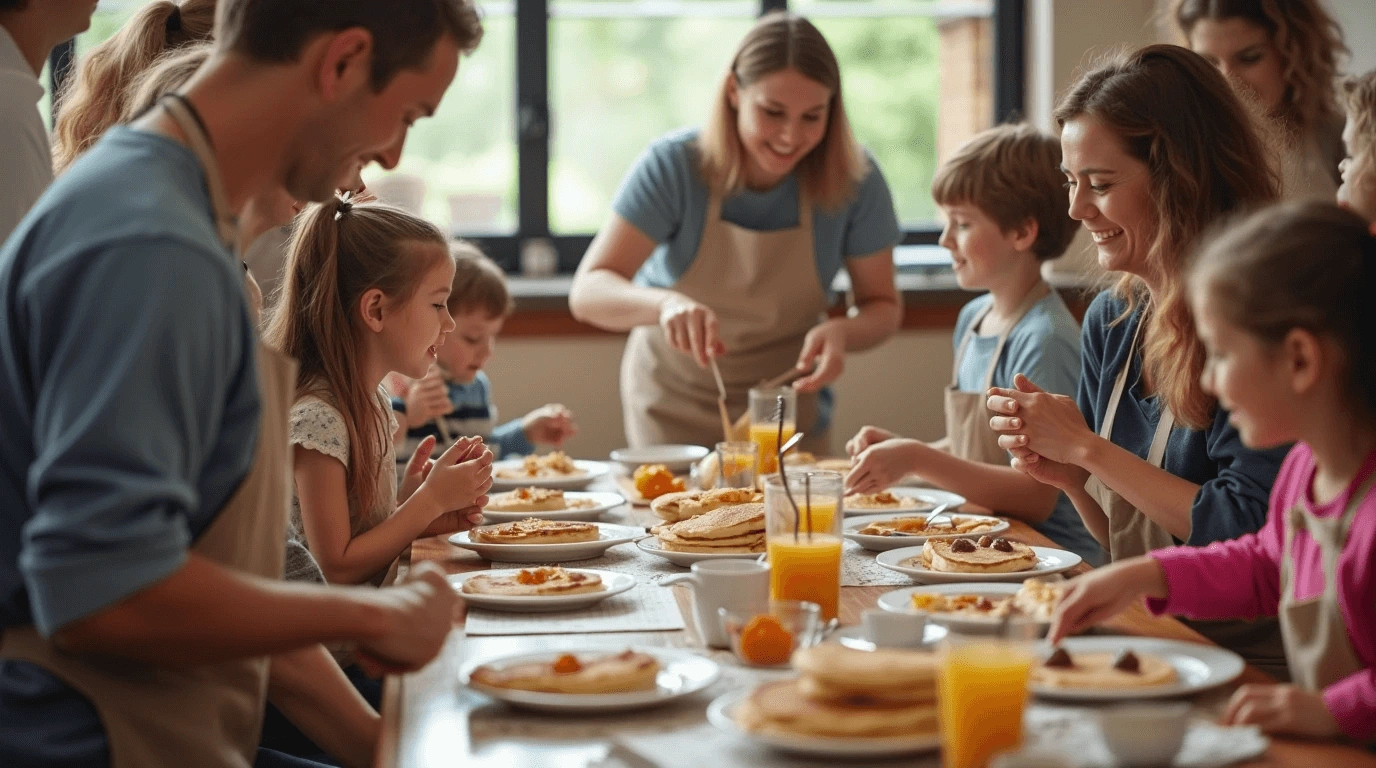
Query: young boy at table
{"points": [[456, 391], [1003, 199]]}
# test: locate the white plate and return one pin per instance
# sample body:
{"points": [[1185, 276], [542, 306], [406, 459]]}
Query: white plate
{"points": [[650, 544], [1199, 667], [605, 501], [1049, 561], [901, 601], [885, 543], [720, 713], [615, 584], [931, 496], [855, 637], [676, 458], [681, 674], [610, 536], [588, 471]]}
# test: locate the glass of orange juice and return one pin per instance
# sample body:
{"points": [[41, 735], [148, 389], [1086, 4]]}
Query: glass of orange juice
{"points": [[764, 424], [804, 543], [736, 461], [981, 693]]}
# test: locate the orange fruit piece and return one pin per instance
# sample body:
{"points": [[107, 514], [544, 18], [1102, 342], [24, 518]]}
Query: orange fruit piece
{"points": [[567, 665], [764, 641], [655, 480]]}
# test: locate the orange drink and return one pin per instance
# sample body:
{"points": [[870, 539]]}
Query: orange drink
{"points": [[821, 519], [806, 568], [766, 438], [981, 692]]}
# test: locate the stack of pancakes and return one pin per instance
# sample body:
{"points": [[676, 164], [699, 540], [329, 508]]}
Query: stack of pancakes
{"points": [[737, 529], [535, 531], [673, 507], [950, 557], [844, 693]]}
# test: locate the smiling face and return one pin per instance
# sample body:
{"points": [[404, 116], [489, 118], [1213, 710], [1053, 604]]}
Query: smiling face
{"points": [[981, 252], [1109, 194], [1358, 190], [1245, 54], [1250, 378], [413, 330], [780, 119], [470, 346]]}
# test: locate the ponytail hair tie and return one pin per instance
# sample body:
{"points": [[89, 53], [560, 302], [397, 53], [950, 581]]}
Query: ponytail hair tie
{"points": [[343, 204], [174, 19]]}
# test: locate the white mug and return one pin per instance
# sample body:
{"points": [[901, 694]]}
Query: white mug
{"points": [[739, 586], [887, 629]]}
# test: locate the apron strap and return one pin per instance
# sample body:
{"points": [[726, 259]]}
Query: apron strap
{"points": [[186, 118], [1039, 291], [1331, 541], [965, 342]]}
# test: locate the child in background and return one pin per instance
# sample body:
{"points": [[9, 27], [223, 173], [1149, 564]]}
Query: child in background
{"points": [[456, 390], [365, 294], [1280, 303], [1003, 198], [1358, 190]]}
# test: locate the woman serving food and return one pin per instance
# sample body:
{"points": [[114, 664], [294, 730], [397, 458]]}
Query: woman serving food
{"points": [[723, 243]]}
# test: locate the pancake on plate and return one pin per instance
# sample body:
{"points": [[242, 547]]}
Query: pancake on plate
{"points": [[553, 466], [621, 673], [736, 529], [917, 526], [882, 500], [535, 531], [674, 507], [534, 582], [536, 500], [1035, 599], [965, 556], [1124, 669], [836, 465]]}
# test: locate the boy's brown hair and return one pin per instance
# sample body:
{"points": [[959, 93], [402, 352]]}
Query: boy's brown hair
{"points": [[1359, 96], [1012, 173], [479, 284]]}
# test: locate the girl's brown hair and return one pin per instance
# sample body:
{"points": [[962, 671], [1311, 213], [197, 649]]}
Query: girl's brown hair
{"points": [[1177, 115], [1309, 265], [338, 251], [831, 173], [101, 91], [1308, 40]]}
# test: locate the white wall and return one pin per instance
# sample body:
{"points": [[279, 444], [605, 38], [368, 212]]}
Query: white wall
{"points": [[1358, 20]]}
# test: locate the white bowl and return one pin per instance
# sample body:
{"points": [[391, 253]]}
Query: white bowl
{"points": [[1145, 734], [676, 458]]}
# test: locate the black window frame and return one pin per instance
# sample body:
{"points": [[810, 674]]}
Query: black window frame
{"points": [[532, 122]]}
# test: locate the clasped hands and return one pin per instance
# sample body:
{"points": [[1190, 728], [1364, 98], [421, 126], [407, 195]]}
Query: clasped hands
{"points": [[1045, 433]]}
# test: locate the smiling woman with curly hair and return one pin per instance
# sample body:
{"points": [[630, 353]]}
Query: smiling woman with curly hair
{"points": [[1284, 55]]}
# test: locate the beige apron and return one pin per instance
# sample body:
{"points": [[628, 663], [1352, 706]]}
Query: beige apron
{"points": [[764, 289], [208, 715], [1132, 533], [1316, 640], [967, 413]]}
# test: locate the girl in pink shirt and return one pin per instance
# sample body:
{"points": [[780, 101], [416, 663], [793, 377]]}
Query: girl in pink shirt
{"points": [[1280, 303]]}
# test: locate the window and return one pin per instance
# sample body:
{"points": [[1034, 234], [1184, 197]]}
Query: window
{"points": [[544, 120]]}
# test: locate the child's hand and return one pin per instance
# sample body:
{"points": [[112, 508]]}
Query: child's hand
{"points": [[427, 399], [883, 464], [1282, 709], [550, 425], [417, 469], [1104, 593], [460, 477], [866, 437]]}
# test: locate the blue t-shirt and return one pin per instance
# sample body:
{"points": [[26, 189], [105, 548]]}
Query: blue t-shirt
{"points": [[128, 406], [1235, 480], [665, 197], [1045, 347], [474, 414]]}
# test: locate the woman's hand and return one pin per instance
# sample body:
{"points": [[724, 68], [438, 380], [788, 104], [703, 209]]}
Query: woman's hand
{"points": [[691, 328], [884, 464], [1284, 709], [1046, 424], [1063, 477], [823, 347], [866, 437], [1106, 592], [549, 425], [427, 399]]}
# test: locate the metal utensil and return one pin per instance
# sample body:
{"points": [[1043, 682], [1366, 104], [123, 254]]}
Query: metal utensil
{"points": [[936, 513], [791, 443]]}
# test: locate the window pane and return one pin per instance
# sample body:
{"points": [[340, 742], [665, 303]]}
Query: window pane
{"points": [[917, 83], [459, 167], [622, 74]]}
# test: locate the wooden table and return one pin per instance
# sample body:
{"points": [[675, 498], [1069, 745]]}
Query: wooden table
{"points": [[425, 714]]}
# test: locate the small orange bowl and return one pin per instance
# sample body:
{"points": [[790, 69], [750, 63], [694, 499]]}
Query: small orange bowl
{"points": [[769, 639]]}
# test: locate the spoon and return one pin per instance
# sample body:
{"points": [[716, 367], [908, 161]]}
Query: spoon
{"points": [[935, 513], [791, 442]]}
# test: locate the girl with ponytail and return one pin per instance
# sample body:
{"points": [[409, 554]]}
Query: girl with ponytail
{"points": [[101, 91], [364, 294], [1280, 303]]}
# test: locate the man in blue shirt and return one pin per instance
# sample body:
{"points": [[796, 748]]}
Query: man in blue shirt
{"points": [[133, 404]]}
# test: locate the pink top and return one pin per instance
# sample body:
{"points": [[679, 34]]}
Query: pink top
{"points": [[1212, 583]]}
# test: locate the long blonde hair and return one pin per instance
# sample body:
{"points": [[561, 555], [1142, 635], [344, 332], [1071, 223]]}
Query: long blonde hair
{"points": [[831, 173], [101, 89], [169, 73], [1308, 40], [1176, 114], [339, 251]]}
